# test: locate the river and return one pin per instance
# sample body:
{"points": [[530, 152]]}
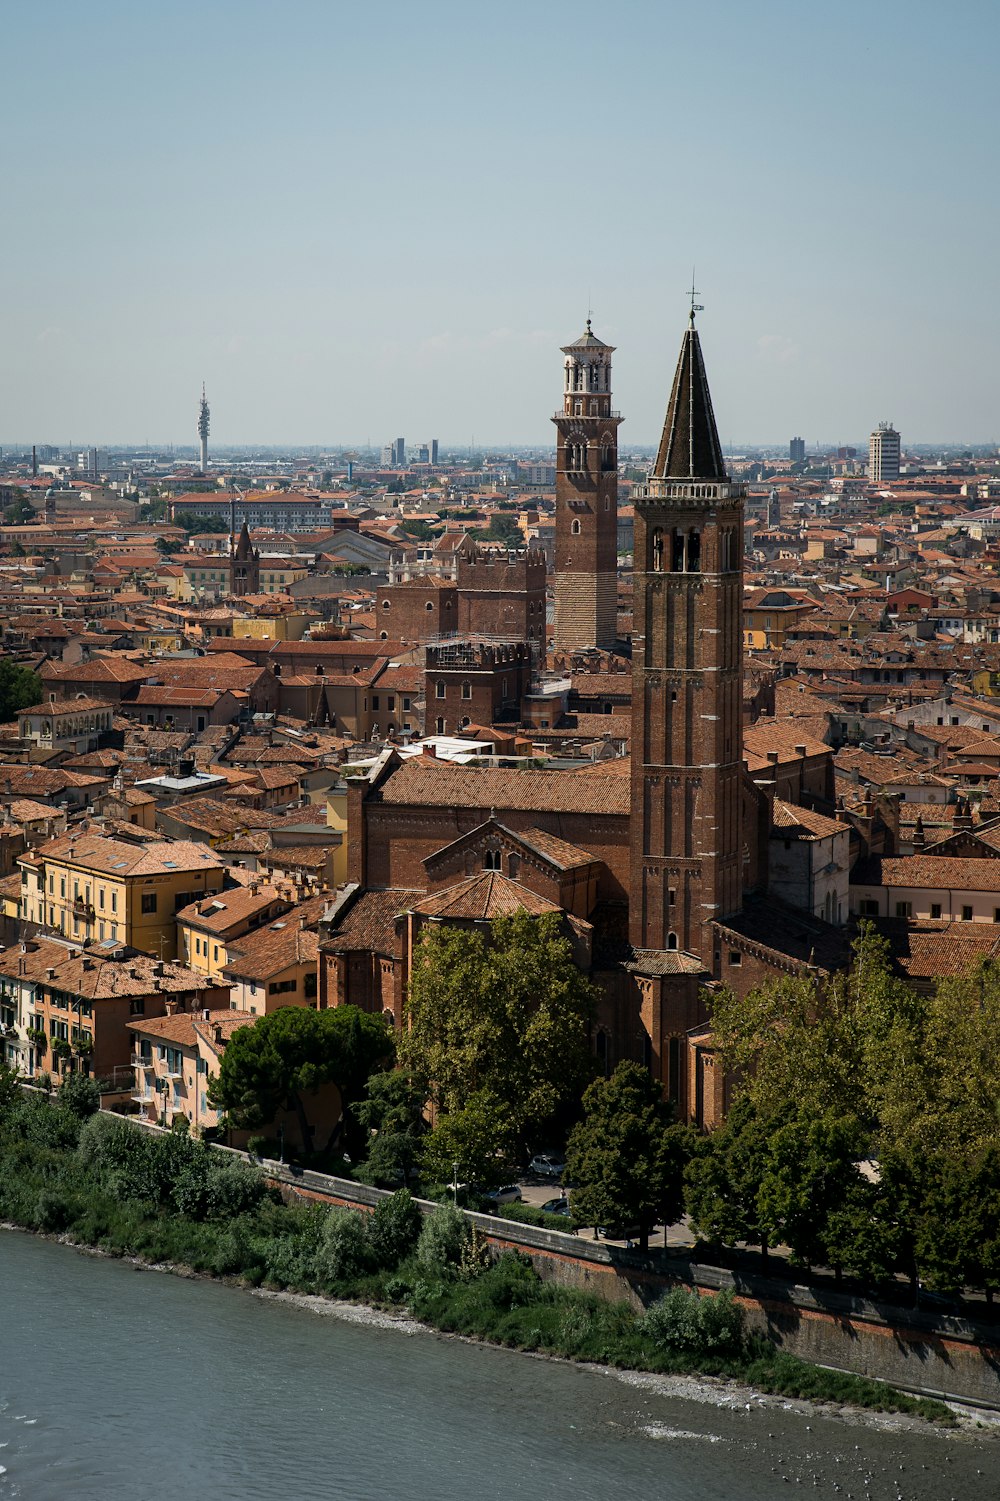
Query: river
{"points": [[128, 1385]]}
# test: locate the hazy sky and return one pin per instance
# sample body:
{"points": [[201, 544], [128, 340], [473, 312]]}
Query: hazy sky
{"points": [[358, 220]]}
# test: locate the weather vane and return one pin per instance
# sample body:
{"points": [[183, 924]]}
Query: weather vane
{"points": [[696, 307]]}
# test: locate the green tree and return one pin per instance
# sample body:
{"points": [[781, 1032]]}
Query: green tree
{"points": [[19, 511], [288, 1055], [503, 1018], [392, 1113], [477, 1140], [627, 1156], [20, 688], [503, 527], [724, 1178]]}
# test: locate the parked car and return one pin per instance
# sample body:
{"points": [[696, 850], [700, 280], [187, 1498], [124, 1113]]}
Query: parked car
{"points": [[557, 1206], [509, 1194], [619, 1232], [547, 1165]]}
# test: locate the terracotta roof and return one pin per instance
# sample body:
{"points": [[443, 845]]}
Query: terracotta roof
{"points": [[117, 858], [930, 872], [369, 923], [803, 823], [277, 946], [94, 975], [482, 897], [928, 950], [81, 705], [427, 782], [219, 913], [566, 856]]}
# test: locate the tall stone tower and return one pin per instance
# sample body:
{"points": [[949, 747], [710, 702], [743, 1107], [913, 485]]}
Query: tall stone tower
{"points": [[203, 430], [687, 673], [586, 499]]}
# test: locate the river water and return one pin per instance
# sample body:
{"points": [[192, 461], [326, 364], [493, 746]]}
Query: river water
{"points": [[127, 1385]]}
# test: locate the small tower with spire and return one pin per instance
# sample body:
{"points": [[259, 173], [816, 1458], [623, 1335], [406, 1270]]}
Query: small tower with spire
{"points": [[586, 546], [203, 429]]}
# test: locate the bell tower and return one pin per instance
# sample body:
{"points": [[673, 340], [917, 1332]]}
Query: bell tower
{"points": [[586, 551], [687, 679]]}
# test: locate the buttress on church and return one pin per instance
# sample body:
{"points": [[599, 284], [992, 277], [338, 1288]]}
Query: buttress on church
{"points": [[657, 864]]}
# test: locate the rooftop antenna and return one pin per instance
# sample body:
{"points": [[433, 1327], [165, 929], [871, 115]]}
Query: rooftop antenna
{"points": [[203, 429], [696, 307]]}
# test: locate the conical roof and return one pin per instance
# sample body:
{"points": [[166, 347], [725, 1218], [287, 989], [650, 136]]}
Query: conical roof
{"points": [[690, 447], [587, 340]]}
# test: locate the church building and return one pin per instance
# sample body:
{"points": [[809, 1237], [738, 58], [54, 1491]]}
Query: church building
{"points": [[658, 867]]}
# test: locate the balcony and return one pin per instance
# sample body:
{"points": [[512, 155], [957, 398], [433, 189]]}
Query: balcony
{"points": [[83, 910]]}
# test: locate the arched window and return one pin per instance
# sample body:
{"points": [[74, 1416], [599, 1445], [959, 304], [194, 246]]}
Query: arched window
{"points": [[386, 604], [607, 456], [656, 551], [677, 553], [671, 940], [694, 552], [383, 635], [464, 722], [440, 726], [575, 529], [466, 689], [429, 605], [439, 688], [491, 859], [513, 866]]}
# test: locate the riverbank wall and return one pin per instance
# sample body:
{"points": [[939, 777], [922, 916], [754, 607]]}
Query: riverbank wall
{"points": [[950, 1358], [935, 1356]]}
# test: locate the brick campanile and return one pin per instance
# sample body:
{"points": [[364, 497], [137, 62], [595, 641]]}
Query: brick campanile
{"points": [[586, 500], [686, 679]]}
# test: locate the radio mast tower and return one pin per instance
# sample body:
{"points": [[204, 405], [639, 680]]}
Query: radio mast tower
{"points": [[203, 430]]}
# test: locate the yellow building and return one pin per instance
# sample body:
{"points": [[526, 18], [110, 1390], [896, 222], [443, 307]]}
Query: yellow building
{"points": [[207, 928], [277, 573], [86, 886], [769, 615], [273, 625], [336, 818]]}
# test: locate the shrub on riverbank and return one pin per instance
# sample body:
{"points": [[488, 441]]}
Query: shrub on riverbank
{"points": [[165, 1199]]}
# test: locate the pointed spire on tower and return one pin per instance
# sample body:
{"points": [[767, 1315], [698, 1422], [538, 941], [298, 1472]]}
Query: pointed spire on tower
{"points": [[690, 447]]}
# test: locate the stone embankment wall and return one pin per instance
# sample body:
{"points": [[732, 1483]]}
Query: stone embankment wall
{"points": [[936, 1356], [930, 1354]]}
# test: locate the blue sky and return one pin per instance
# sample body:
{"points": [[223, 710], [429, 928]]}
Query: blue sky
{"points": [[354, 221]]}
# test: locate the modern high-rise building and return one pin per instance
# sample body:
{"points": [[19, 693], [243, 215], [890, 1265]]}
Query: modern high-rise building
{"points": [[883, 454], [399, 453], [203, 430], [586, 547], [797, 450], [434, 450]]}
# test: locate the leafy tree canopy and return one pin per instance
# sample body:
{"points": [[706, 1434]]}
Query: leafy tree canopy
{"points": [[291, 1053], [503, 1018], [20, 688], [627, 1156], [19, 510], [860, 1066], [504, 528]]}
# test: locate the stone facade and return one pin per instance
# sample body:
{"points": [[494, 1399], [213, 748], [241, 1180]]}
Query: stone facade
{"points": [[467, 683]]}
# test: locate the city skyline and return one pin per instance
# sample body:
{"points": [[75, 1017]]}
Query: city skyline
{"points": [[341, 220]]}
